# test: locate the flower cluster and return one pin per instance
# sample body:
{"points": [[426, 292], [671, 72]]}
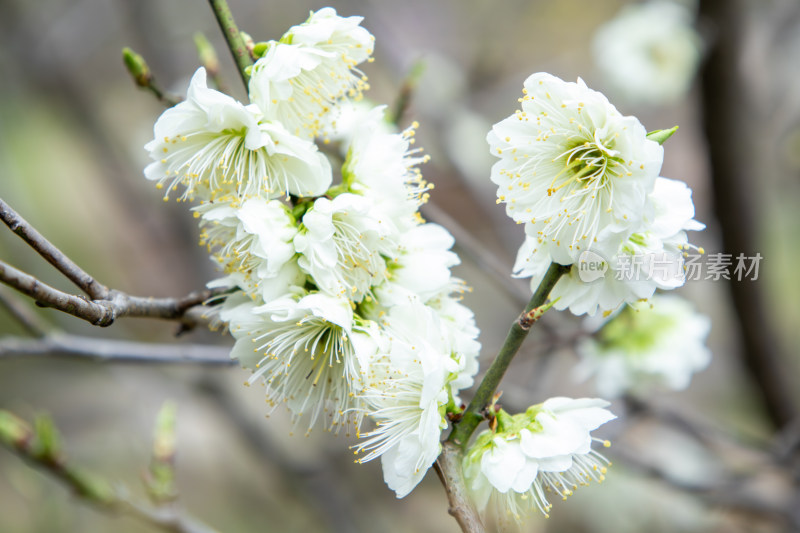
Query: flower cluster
{"points": [[583, 178], [339, 295], [660, 342], [545, 450]]}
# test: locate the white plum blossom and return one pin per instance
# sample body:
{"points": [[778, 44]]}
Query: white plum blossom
{"points": [[255, 237], [650, 258], [302, 76], [545, 450], [344, 245], [571, 167], [339, 296], [219, 149], [408, 397], [649, 52], [422, 267], [384, 167], [660, 342], [304, 352]]}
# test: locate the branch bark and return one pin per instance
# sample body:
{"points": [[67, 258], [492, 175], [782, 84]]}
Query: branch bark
{"points": [[448, 467], [53, 255], [102, 312]]}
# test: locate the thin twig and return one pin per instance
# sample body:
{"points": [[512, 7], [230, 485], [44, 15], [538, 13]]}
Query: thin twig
{"points": [[233, 37], [23, 314], [41, 449], [53, 255], [102, 312], [65, 345]]}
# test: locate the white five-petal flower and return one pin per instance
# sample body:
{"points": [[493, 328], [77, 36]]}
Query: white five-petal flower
{"points": [[572, 167], [303, 75], [545, 450], [220, 149]]}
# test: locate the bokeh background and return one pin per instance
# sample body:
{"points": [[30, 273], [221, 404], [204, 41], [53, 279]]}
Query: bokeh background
{"points": [[72, 127]]}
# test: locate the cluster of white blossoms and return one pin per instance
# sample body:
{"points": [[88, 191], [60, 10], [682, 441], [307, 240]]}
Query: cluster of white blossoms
{"points": [[649, 52], [584, 179], [533, 455], [339, 295], [660, 342]]}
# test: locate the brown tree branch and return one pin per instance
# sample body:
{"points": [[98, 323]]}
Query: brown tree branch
{"points": [[448, 467], [105, 311], [106, 305], [53, 255]]}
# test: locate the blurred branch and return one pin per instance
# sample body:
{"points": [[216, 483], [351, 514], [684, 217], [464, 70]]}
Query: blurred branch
{"points": [[22, 314], [403, 98], [727, 493], [113, 351], [497, 271], [40, 447], [728, 125], [313, 480], [703, 433]]}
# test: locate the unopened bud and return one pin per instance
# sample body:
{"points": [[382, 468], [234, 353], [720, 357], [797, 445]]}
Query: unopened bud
{"points": [[137, 66]]}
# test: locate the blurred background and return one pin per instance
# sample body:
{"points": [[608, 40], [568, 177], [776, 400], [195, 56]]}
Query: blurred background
{"points": [[72, 128]]}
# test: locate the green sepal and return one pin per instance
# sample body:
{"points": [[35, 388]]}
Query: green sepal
{"points": [[660, 136]]}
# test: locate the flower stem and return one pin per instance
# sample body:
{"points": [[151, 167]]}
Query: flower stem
{"points": [[234, 39], [473, 415]]}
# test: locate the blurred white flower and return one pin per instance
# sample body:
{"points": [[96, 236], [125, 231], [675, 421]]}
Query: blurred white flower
{"points": [[572, 168], [545, 450], [302, 76], [344, 245], [660, 342], [219, 149], [649, 52], [349, 116]]}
